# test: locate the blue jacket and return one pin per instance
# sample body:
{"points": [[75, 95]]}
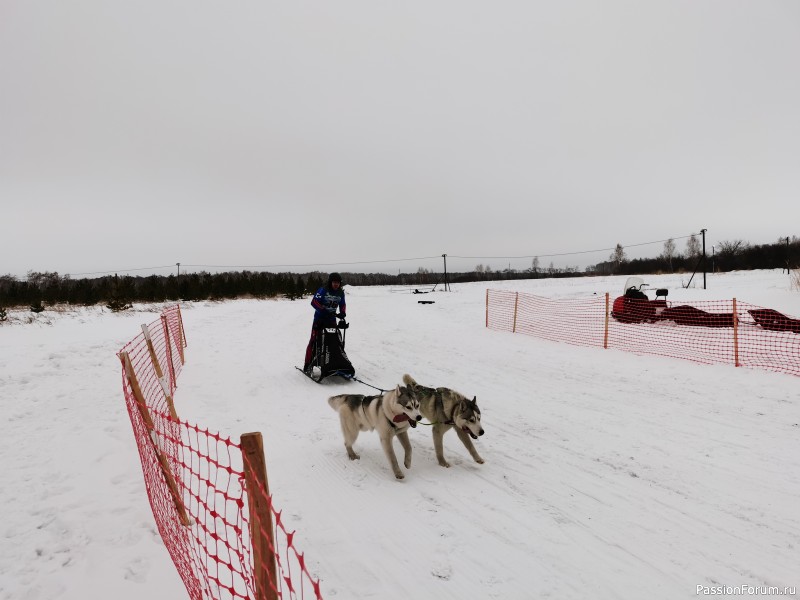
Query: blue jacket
{"points": [[325, 303]]}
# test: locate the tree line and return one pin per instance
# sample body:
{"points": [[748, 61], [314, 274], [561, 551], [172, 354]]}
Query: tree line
{"points": [[39, 290], [728, 255]]}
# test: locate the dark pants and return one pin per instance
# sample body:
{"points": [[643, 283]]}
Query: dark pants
{"points": [[310, 347], [315, 329]]}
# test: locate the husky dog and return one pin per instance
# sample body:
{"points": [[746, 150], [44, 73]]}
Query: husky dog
{"points": [[391, 413], [446, 408]]}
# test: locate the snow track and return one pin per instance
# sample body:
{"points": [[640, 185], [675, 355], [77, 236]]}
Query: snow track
{"points": [[607, 475]]}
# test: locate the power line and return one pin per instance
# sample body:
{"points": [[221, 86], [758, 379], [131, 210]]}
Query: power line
{"points": [[122, 270], [334, 264], [569, 253], [372, 262]]}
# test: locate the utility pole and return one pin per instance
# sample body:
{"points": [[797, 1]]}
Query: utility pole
{"points": [[446, 285], [703, 231], [787, 255], [179, 270]]}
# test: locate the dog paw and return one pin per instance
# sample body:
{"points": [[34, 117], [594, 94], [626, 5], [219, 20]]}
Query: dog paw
{"points": [[407, 463], [399, 476], [479, 460], [445, 464]]}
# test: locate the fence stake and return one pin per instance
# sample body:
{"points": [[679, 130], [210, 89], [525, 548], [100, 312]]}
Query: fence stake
{"points": [[735, 335], [487, 308], [159, 372], [180, 322], [605, 337], [167, 338], [148, 420], [516, 302], [261, 527], [179, 341]]}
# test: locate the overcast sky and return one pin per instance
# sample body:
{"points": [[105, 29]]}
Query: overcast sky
{"points": [[301, 133]]}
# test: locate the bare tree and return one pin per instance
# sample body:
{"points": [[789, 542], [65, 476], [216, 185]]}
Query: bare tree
{"points": [[535, 264], [731, 247], [618, 256], [42, 280], [693, 249], [669, 252], [423, 275]]}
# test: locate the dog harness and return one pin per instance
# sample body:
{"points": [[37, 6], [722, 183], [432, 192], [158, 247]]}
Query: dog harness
{"points": [[438, 403]]}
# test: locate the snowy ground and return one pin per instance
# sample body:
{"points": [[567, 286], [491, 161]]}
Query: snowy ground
{"points": [[607, 475]]}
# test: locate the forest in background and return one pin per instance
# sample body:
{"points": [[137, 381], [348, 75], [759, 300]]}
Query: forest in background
{"points": [[41, 290]]}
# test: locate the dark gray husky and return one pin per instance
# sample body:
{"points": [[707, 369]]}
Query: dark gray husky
{"points": [[446, 408], [390, 413]]}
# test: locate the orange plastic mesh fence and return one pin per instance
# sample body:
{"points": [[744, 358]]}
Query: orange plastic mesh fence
{"points": [[196, 485], [721, 331]]}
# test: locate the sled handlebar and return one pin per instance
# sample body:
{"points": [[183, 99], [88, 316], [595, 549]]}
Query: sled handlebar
{"points": [[339, 325]]}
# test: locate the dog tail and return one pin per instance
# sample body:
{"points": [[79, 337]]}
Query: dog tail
{"points": [[336, 401], [409, 380]]}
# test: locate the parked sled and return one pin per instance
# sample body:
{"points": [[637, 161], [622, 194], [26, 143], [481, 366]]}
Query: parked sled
{"points": [[328, 356], [635, 307], [774, 321]]}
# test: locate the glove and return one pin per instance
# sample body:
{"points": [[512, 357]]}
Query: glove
{"points": [[342, 316]]}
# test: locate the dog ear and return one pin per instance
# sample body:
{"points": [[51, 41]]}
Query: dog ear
{"points": [[475, 399]]}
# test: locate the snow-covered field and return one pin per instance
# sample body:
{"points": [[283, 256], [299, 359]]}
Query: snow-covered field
{"points": [[607, 474]]}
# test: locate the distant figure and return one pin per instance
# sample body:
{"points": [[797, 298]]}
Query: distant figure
{"points": [[326, 301]]}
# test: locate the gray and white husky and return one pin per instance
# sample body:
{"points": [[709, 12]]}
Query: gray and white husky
{"points": [[390, 413], [446, 408]]}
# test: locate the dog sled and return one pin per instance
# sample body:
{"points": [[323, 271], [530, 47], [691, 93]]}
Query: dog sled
{"points": [[328, 356]]}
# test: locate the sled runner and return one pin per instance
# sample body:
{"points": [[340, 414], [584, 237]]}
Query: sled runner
{"points": [[329, 357]]}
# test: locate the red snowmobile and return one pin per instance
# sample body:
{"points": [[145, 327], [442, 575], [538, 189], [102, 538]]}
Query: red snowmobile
{"points": [[635, 307]]}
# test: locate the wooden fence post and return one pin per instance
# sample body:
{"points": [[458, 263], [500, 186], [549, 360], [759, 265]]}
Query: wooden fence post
{"points": [[171, 364], [159, 373], [605, 337], [487, 308], [179, 334], [148, 420], [735, 335], [180, 323], [261, 526], [516, 303]]}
